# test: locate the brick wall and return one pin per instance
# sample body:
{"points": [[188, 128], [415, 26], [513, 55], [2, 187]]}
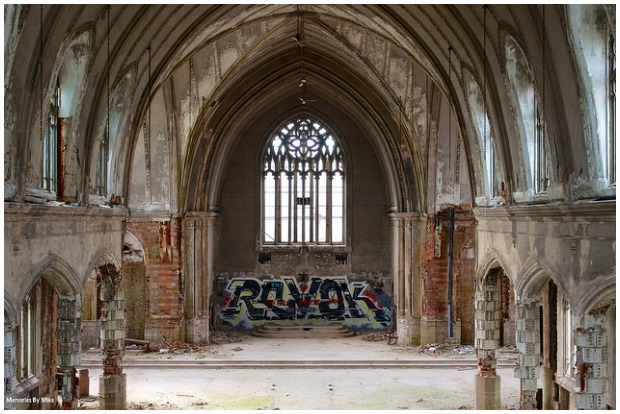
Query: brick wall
{"points": [[164, 282], [435, 270]]}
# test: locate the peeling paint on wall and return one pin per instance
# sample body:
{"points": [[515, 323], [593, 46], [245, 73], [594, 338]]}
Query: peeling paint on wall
{"points": [[250, 302]]}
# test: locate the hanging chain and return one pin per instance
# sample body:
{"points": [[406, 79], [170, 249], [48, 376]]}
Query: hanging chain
{"points": [[108, 78], [41, 73], [149, 96], [544, 73], [449, 101], [484, 88]]}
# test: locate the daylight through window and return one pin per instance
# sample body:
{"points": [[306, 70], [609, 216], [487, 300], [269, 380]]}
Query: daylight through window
{"points": [[303, 186]]}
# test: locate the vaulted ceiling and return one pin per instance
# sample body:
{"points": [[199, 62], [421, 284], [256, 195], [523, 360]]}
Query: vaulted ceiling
{"points": [[402, 61]]}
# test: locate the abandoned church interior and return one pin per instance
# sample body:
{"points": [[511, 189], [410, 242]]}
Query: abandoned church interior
{"points": [[438, 173]]}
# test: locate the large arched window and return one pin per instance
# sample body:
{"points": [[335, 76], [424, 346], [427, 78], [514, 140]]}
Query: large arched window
{"points": [[593, 40], [303, 185], [530, 123]]}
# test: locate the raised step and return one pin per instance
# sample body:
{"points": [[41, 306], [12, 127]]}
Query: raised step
{"points": [[270, 330]]}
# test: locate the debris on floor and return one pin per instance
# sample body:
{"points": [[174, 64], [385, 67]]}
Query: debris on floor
{"points": [[224, 338], [374, 337], [445, 349], [174, 346]]}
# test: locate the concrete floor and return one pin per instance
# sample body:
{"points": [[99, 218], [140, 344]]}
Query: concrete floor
{"points": [[302, 388]]}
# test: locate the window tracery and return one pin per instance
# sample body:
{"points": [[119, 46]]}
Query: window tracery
{"points": [[303, 185]]}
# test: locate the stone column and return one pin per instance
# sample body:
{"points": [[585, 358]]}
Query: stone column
{"points": [[405, 265], [9, 364], [591, 377], [200, 238], [488, 314], [68, 348], [113, 382], [528, 344]]}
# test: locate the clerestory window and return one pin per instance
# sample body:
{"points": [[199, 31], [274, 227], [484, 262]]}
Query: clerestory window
{"points": [[611, 107], [541, 162], [304, 186], [102, 163], [50, 144], [28, 343]]}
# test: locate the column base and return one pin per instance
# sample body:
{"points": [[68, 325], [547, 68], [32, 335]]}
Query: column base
{"points": [[197, 331], [408, 330], [548, 387], [487, 392], [436, 331], [112, 392]]}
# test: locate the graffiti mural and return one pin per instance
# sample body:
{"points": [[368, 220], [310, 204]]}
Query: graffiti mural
{"points": [[248, 302]]}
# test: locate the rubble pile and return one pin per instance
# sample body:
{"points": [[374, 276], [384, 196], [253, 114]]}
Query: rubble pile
{"points": [[446, 350], [376, 337], [224, 338], [174, 346]]}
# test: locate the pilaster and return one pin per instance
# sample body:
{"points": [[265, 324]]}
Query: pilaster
{"points": [[406, 247], [200, 238]]}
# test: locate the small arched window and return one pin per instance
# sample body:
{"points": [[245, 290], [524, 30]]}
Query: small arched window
{"points": [[303, 185]]}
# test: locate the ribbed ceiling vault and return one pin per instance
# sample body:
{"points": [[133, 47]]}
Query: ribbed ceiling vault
{"points": [[385, 49]]}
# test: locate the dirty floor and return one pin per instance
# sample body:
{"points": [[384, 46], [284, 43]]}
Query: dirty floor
{"points": [[420, 388]]}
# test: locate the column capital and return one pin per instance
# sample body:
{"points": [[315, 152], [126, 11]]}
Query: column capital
{"points": [[201, 218], [411, 216]]}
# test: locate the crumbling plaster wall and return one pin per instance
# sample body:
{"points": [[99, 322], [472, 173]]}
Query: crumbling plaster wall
{"points": [[571, 242], [160, 235], [70, 239]]}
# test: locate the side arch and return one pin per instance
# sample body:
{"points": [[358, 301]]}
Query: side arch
{"points": [[533, 278], [58, 273], [597, 292], [490, 261], [100, 257]]}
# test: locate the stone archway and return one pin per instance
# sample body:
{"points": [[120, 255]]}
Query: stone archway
{"points": [[49, 339]]}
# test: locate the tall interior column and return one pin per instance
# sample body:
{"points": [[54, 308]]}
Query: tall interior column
{"points": [[68, 348], [528, 344], [591, 377], [488, 313], [112, 382], [10, 364]]}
